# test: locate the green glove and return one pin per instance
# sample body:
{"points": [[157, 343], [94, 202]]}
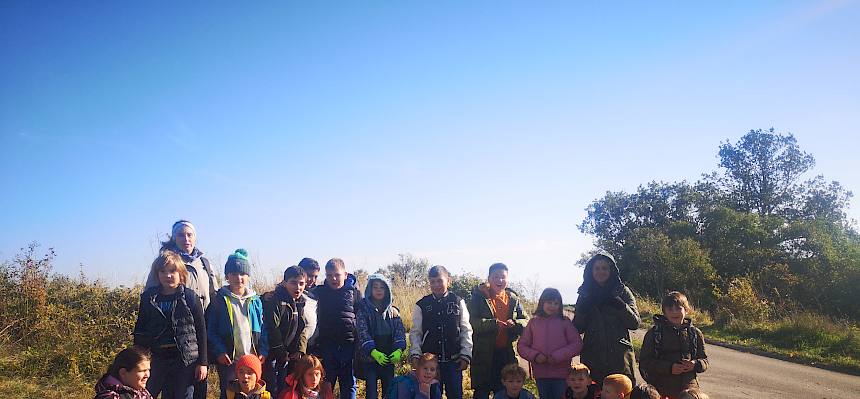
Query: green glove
{"points": [[379, 357], [395, 356]]}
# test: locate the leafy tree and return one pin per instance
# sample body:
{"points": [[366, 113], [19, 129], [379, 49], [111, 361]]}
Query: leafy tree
{"points": [[409, 270], [762, 170]]}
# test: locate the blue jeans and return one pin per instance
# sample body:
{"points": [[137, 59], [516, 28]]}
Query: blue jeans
{"points": [[337, 362], [451, 379], [552, 388], [374, 372], [170, 377]]}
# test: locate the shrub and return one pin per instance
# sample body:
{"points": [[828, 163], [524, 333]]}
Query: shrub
{"points": [[741, 302]]}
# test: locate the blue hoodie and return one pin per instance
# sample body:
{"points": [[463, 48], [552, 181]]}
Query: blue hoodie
{"points": [[370, 316]]}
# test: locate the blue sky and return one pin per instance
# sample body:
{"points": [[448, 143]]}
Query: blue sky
{"points": [[465, 133]]}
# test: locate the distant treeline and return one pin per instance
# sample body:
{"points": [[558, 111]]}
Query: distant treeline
{"points": [[749, 240]]}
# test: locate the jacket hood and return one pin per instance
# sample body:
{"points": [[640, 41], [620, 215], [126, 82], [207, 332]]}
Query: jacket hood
{"points": [[368, 292], [249, 293], [588, 282]]}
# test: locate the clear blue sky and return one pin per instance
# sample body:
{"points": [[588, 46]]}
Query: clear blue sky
{"points": [[466, 133]]}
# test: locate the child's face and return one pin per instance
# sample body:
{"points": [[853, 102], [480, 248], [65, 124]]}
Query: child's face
{"points": [[610, 392], [185, 239], [601, 271], [238, 282], [498, 281], [426, 372], [247, 379], [377, 292], [136, 377], [439, 284], [168, 276], [513, 385], [335, 278], [675, 313], [313, 378], [295, 286], [311, 281], [578, 382], [552, 307]]}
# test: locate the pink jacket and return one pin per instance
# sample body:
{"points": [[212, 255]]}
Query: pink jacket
{"points": [[555, 337]]}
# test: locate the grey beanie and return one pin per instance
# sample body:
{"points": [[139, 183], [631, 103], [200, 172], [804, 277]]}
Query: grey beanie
{"points": [[238, 262]]}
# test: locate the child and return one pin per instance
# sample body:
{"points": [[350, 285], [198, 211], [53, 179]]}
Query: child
{"points": [[440, 325], [170, 324], [420, 383], [694, 393], [285, 316], [673, 350], [248, 384], [312, 269], [579, 384], [605, 314], [235, 320], [126, 378], [497, 319], [306, 381], [336, 308], [549, 343], [645, 391], [381, 334], [513, 377], [616, 386]]}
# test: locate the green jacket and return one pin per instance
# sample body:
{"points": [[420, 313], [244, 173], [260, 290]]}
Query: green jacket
{"points": [[605, 320], [484, 330]]}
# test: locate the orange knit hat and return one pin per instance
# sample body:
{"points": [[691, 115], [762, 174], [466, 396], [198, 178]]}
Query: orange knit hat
{"points": [[251, 362]]}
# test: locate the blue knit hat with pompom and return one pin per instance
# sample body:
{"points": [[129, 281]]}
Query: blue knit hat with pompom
{"points": [[238, 262]]}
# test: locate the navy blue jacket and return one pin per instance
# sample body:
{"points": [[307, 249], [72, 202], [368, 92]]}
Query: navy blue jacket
{"points": [[186, 320], [336, 311]]}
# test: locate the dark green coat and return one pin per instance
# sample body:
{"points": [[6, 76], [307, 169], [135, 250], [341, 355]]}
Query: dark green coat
{"points": [[605, 320], [484, 330]]}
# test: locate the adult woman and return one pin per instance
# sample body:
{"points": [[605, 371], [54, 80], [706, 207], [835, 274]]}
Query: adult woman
{"points": [[200, 279], [605, 312]]}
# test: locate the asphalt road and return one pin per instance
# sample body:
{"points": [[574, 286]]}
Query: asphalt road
{"points": [[736, 375]]}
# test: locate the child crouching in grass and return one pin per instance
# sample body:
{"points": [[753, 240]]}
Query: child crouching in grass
{"points": [[513, 378], [616, 386], [421, 383], [307, 381], [248, 384], [126, 378], [673, 351], [579, 384]]}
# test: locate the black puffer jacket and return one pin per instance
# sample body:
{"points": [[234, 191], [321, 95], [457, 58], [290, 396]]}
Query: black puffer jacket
{"points": [[336, 311], [185, 321]]}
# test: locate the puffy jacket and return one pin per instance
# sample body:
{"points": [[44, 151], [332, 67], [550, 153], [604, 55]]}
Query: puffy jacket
{"points": [[369, 315], [605, 315], [110, 387], [185, 321], [484, 330], [553, 336], [336, 310], [664, 345], [219, 325], [260, 392]]}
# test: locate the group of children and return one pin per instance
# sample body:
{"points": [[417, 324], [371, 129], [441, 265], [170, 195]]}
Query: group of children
{"points": [[303, 339]]}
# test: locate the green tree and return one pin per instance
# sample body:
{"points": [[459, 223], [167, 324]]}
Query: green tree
{"points": [[408, 270]]}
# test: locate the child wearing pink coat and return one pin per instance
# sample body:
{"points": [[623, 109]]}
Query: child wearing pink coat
{"points": [[549, 342]]}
